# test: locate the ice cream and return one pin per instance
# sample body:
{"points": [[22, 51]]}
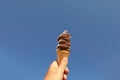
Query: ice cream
{"points": [[63, 47]]}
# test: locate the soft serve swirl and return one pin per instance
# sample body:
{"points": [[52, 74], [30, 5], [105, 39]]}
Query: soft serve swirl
{"points": [[64, 41]]}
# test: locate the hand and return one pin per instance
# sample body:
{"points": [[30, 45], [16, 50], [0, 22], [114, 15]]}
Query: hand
{"points": [[58, 72]]}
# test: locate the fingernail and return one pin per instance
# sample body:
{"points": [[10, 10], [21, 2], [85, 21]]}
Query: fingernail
{"points": [[65, 59]]}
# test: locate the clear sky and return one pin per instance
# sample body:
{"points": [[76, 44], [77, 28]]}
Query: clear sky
{"points": [[29, 28]]}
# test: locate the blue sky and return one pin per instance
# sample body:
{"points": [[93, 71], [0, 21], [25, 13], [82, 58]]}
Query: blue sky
{"points": [[29, 28]]}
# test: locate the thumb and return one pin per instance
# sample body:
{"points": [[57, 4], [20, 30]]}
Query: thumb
{"points": [[54, 65], [63, 64]]}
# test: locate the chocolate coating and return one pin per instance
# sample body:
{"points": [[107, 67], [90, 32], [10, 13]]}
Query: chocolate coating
{"points": [[64, 41], [65, 36]]}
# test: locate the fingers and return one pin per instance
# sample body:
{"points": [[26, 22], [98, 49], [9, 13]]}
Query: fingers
{"points": [[63, 68], [66, 71], [63, 64], [64, 77]]}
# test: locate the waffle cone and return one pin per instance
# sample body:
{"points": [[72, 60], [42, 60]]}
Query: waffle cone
{"points": [[61, 54]]}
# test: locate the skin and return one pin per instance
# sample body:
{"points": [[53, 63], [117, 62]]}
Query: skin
{"points": [[57, 72]]}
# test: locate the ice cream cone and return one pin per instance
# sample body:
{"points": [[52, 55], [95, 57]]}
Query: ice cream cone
{"points": [[63, 47], [61, 54]]}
